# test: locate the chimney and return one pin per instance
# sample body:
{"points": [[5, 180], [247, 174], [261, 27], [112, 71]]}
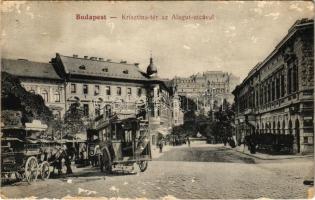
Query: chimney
{"points": [[75, 55], [86, 57], [123, 61], [93, 58], [108, 60], [137, 64], [101, 59]]}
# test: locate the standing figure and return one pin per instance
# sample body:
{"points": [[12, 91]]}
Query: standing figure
{"points": [[160, 145], [188, 141]]}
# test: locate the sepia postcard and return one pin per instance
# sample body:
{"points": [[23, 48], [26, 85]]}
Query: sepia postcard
{"points": [[157, 100]]}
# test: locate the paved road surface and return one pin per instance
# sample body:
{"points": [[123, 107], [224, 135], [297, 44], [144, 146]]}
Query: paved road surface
{"points": [[197, 172]]}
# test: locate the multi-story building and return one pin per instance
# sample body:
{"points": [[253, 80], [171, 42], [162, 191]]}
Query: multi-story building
{"points": [[96, 84], [39, 78], [277, 96], [207, 89]]}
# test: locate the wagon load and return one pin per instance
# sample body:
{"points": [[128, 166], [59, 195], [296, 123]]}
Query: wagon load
{"points": [[23, 148]]}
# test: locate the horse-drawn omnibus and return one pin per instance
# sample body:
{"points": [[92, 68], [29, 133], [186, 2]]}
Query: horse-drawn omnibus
{"points": [[23, 153], [121, 142], [26, 151]]}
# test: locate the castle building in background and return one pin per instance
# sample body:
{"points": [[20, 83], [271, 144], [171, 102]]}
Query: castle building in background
{"points": [[98, 84], [207, 89], [277, 96]]}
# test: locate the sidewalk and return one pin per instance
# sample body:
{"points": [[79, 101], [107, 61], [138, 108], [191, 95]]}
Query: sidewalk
{"points": [[156, 151], [263, 156]]}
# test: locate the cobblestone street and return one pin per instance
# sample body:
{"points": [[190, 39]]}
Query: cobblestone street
{"points": [[204, 171]]}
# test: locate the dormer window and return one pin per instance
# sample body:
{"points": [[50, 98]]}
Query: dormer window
{"points": [[82, 67], [105, 69], [125, 71]]}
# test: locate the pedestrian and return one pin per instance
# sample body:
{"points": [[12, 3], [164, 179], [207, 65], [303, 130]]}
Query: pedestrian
{"points": [[161, 146], [68, 163], [188, 141]]}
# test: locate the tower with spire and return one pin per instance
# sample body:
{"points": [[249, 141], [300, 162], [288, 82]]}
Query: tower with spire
{"points": [[151, 69]]}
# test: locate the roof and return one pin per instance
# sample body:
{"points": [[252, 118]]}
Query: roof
{"points": [[100, 68], [25, 68]]}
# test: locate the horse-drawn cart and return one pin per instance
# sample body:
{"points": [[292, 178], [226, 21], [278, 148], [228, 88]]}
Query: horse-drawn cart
{"points": [[24, 155]]}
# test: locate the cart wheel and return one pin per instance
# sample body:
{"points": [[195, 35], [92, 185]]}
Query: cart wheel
{"points": [[44, 170], [105, 163], [31, 169], [143, 165]]}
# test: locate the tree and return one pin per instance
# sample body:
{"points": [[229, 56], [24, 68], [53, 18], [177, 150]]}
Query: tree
{"points": [[15, 97], [74, 120], [221, 126], [189, 107]]}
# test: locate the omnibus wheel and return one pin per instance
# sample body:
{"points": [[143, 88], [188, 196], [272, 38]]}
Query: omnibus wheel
{"points": [[45, 171], [143, 165], [31, 169]]}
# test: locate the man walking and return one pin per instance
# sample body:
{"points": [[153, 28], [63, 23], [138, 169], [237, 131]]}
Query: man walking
{"points": [[160, 145], [188, 141]]}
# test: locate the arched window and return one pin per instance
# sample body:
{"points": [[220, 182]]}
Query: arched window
{"points": [[290, 127], [274, 127], [295, 79], [283, 127], [57, 97], [45, 95], [279, 129]]}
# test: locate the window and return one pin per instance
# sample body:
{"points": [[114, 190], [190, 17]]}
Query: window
{"points": [[125, 71], [289, 80], [45, 95], [295, 83], [57, 97], [73, 88], [152, 111], [282, 85], [97, 109], [139, 92], [85, 89], [96, 90], [273, 90], [278, 88], [129, 91], [119, 91], [269, 92], [305, 140], [107, 90], [105, 69], [86, 109]]}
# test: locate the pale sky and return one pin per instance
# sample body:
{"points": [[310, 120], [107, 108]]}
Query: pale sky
{"points": [[240, 35]]}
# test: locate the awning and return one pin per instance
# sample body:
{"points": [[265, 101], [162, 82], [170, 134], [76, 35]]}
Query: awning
{"points": [[11, 139], [36, 125], [252, 123]]}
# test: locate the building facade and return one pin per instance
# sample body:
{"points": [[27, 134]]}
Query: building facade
{"points": [[207, 89], [96, 84], [277, 96], [39, 78]]}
